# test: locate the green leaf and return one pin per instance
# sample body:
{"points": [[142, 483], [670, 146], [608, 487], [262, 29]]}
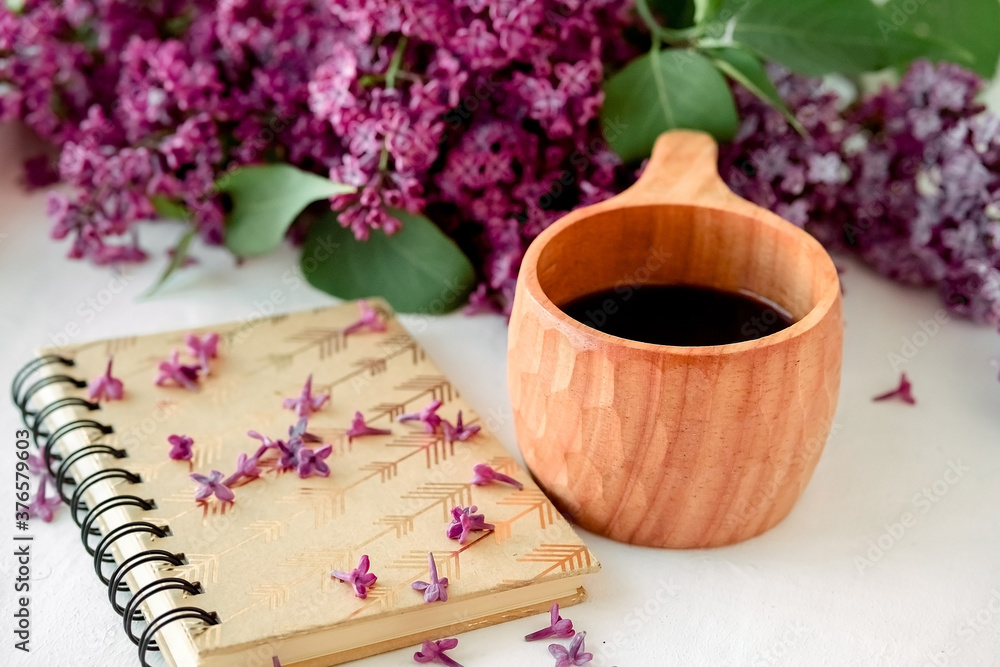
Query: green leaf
{"points": [[266, 199], [168, 208], [973, 24], [177, 261], [660, 91], [816, 37], [746, 69], [417, 270]]}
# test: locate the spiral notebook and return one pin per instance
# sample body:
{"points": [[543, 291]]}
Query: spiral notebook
{"points": [[216, 583]]}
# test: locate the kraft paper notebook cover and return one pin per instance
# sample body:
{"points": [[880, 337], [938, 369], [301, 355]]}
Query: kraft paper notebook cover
{"points": [[263, 563]]}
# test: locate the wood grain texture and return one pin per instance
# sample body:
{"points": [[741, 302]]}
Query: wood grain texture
{"points": [[674, 446]]}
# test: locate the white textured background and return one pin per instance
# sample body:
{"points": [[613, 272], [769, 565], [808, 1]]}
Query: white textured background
{"points": [[798, 595]]}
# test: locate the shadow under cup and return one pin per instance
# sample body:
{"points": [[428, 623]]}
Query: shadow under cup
{"points": [[663, 445]]}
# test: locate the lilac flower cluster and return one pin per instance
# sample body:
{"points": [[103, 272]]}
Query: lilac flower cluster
{"points": [[481, 114], [908, 179]]}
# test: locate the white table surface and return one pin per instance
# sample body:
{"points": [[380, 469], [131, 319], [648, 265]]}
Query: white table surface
{"points": [[798, 595]]}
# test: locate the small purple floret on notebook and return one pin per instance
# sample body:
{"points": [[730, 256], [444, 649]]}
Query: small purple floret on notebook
{"points": [[435, 652], [459, 431], [205, 348], [435, 590], [558, 627], [246, 466], [428, 416], [360, 578], [105, 387], [360, 429], [483, 474], [212, 484], [180, 447], [574, 655], [370, 319], [464, 521], [180, 374], [306, 403]]}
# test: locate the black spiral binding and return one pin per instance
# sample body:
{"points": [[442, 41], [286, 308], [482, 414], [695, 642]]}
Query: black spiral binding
{"points": [[24, 387]]}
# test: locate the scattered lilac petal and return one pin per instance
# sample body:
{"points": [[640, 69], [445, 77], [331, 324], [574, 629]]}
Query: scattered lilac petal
{"points": [[436, 589], [459, 431], [311, 461], [903, 392], [428, 416], [205, 348], [306, 403], [483, 474], [246, 466], [360, 429], [359, 577], [573, 656], [558, 627], [370, 319], [212, 484], [434, 651], [36, 464], [180, 374], [105, 387], [42, 506], [464, 521], [180, 447]]}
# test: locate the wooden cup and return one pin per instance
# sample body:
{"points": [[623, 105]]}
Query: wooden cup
{"points": [[663, 445]]}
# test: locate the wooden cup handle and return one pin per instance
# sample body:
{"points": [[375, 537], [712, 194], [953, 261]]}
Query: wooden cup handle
{"points": [[683, 169]]}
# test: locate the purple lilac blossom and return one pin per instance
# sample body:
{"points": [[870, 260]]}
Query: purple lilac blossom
{"points": [[436, 589], [558, 627], [212, 484], [464, 520], [105, 387], [359, 578], [434, 651], [908, 179], [180, 447], [490, 125]]}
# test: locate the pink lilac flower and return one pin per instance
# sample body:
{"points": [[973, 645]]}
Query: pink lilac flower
{"points": [[36, 464], [180, 374], [428, 415], [436, 589], [293, 450], [180, 447], [903, 392], [359, 577], [105, 387], [574, 655], [483, 474], [907, 179], [311, 461], [212, 484], [505, 96], [204, 348], [360, 429], [558, 627], [370, 319], [464, 521], [434, 651], [42, 506], [459, 431], [306, 403], [246, 466]]}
